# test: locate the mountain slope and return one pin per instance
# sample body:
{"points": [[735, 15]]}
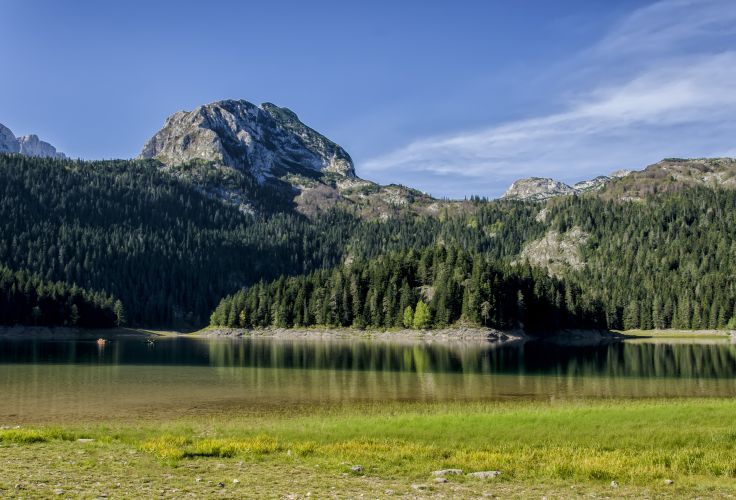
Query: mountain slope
{"points": [[170, 251], [671, 175]]}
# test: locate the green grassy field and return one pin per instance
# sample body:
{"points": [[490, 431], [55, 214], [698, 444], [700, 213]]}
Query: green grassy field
{"points": [[542, 449]]}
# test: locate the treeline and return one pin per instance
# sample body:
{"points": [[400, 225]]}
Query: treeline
{"points": [[431, 288], [26, 299], [664, 262]]}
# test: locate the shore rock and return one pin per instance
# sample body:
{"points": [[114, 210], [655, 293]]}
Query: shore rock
{"points": [[451, 334]]}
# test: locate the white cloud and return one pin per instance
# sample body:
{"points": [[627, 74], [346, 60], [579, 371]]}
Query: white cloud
{"points": [[663, 26], [675, 106]]}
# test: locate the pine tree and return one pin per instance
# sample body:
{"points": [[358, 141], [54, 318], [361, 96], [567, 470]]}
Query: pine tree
{"points": [[119, 311]]}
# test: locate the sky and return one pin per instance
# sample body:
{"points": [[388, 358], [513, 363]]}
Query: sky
{"points": [[455, 98]]}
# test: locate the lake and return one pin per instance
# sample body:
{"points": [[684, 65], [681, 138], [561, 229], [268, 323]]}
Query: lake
{"points": [[76, 380]]}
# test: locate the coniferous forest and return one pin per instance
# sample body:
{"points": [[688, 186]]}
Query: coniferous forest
{"points": [[26, 299], [435, 287], [97, 234]]}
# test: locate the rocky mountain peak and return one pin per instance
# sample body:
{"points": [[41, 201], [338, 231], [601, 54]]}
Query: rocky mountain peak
{"points": [[537, 188], [29, 145], [265, 140]]}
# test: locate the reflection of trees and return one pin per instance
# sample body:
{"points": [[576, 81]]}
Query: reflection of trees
{"points": [[531, 358], [352, 355], [638, 360], [641, 360]]}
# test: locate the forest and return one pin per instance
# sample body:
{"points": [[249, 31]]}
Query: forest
{"points": [[26, 299], [169, 252], [432, 288]]}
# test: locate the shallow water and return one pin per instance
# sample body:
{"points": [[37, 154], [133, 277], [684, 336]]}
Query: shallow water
{"points": [[70, 380]]}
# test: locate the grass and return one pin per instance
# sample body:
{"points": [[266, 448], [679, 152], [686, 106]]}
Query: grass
{"points": [[542, 449], [679, 334]]}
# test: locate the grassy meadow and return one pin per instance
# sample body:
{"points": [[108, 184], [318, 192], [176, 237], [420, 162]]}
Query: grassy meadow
{"points": [[613, 448]]}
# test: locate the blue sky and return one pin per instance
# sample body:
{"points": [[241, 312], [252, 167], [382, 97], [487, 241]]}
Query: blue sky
{"points": [[454, 98]]}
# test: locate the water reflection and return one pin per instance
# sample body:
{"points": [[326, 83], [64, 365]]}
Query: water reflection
{"points": [[617, 360], [56, 380]]}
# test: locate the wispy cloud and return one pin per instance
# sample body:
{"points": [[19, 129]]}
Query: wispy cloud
{"points": [[675, 102]]}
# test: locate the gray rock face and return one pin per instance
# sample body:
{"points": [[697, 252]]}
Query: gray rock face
{"points": [[8, 142], [540, 189], [31, 145], [591, 184], [621, 173], [537, 188], [265, 140]]}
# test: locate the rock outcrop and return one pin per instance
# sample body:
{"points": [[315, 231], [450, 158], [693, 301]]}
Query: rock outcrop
{"points": [[265, 141], [29, 145], [557, 252], [542, 188], [8, 142], [537, 189], [591, 184]]}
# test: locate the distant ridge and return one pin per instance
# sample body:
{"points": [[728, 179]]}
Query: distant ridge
{"points": [[29, 145]]}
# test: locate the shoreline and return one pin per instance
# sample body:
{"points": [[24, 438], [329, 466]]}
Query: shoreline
{"points": [[444, 335], [455, 334], [449, 334], [63, 332]]}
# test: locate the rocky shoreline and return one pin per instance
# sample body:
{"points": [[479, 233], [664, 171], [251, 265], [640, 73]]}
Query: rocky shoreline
{"points": [[455, 334]]}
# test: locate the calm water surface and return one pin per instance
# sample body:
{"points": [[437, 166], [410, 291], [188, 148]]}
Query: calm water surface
{"points": [[61, 380]]}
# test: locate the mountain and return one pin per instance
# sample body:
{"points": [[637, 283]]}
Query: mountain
{"points": [[672, 175], [265, 141], [666, 176], [28, 145], [234, 195], [8, 142], [537, 189], [31, 145], [263, 158], [543, 188]]}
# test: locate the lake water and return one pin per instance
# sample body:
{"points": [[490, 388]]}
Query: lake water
{"points": [[74, 380]]}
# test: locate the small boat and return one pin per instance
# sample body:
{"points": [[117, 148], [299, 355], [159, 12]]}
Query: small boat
{"points": [[101, 341]]}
